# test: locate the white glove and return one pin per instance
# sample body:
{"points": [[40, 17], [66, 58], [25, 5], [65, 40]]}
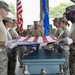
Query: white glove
{"points": [[58, 41], [67, 40], [10, 45]]}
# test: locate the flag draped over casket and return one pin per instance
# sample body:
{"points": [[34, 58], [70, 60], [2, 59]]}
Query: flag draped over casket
{"points": [[40, 39]]}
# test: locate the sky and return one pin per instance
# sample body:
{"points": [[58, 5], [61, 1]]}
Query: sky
{"points": [[31, 9]]}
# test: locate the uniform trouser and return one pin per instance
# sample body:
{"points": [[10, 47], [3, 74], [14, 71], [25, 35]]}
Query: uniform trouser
{"points": [[65, 54], [3, 62], [57, 48], [20, 53], [72, 62], [11, 60]]}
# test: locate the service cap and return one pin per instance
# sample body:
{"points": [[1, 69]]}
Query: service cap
{"points": [[4, 5]]}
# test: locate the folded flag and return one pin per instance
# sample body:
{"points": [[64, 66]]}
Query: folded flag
{"points": [[40, 39]]}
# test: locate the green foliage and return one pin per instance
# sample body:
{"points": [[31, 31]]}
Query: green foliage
{"points": [[58, 10], [12, 8]]}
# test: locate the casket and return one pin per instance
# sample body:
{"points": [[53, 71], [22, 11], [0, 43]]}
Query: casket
{"points": [[50, 61]]}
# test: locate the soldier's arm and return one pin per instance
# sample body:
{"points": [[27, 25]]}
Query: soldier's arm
{"points": [[27, 32], [73, 41], [56, 33], [2, 43], [42, 33]]}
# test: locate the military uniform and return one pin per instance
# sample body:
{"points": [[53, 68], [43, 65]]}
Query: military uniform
{"points": [[36, 32], [65, 51], [11, 57], [17, 50], [63, 34], [3, 38], [13, 33], [65, 48], [72, 52], [41, 26], [20, 53], [57, 32], [3, 54], [42, 30], [11, 52], [70, 15], [56, 24], [9, 36]]}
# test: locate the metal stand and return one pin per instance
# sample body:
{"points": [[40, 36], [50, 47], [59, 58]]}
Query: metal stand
{"points": [[43, 71], [61, 70], [26, 70]]}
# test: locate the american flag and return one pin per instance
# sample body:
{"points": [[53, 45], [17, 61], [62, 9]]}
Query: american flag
{"points": [[40, 39], [19, 16]]}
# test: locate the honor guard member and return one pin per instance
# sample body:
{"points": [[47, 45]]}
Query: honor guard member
{"points": [[65, 48], [36, 31], [56, 24], [11, 24], [70, 15], [4, 9], [41, 26], [63, 24], [12, 30], [14, 35], [57, 33], [8, 23]]}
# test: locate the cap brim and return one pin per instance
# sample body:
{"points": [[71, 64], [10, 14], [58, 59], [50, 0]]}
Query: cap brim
{"points": [[8, 21], [7, 9], [66, 12]]}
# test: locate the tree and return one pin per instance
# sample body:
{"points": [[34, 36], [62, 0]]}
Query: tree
{"points": [[12, 10], [58, 10]]}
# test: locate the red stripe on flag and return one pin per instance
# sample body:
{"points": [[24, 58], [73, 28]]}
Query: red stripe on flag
{"points": [[35, 39], [26, 39], [18, 37], [53, 37], [18, 3], [19, 8], [44, 39], [19, 11]]}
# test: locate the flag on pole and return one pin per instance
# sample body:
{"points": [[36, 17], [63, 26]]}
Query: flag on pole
{"points": [[46, 17], [19, 16], [73, 1]]}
